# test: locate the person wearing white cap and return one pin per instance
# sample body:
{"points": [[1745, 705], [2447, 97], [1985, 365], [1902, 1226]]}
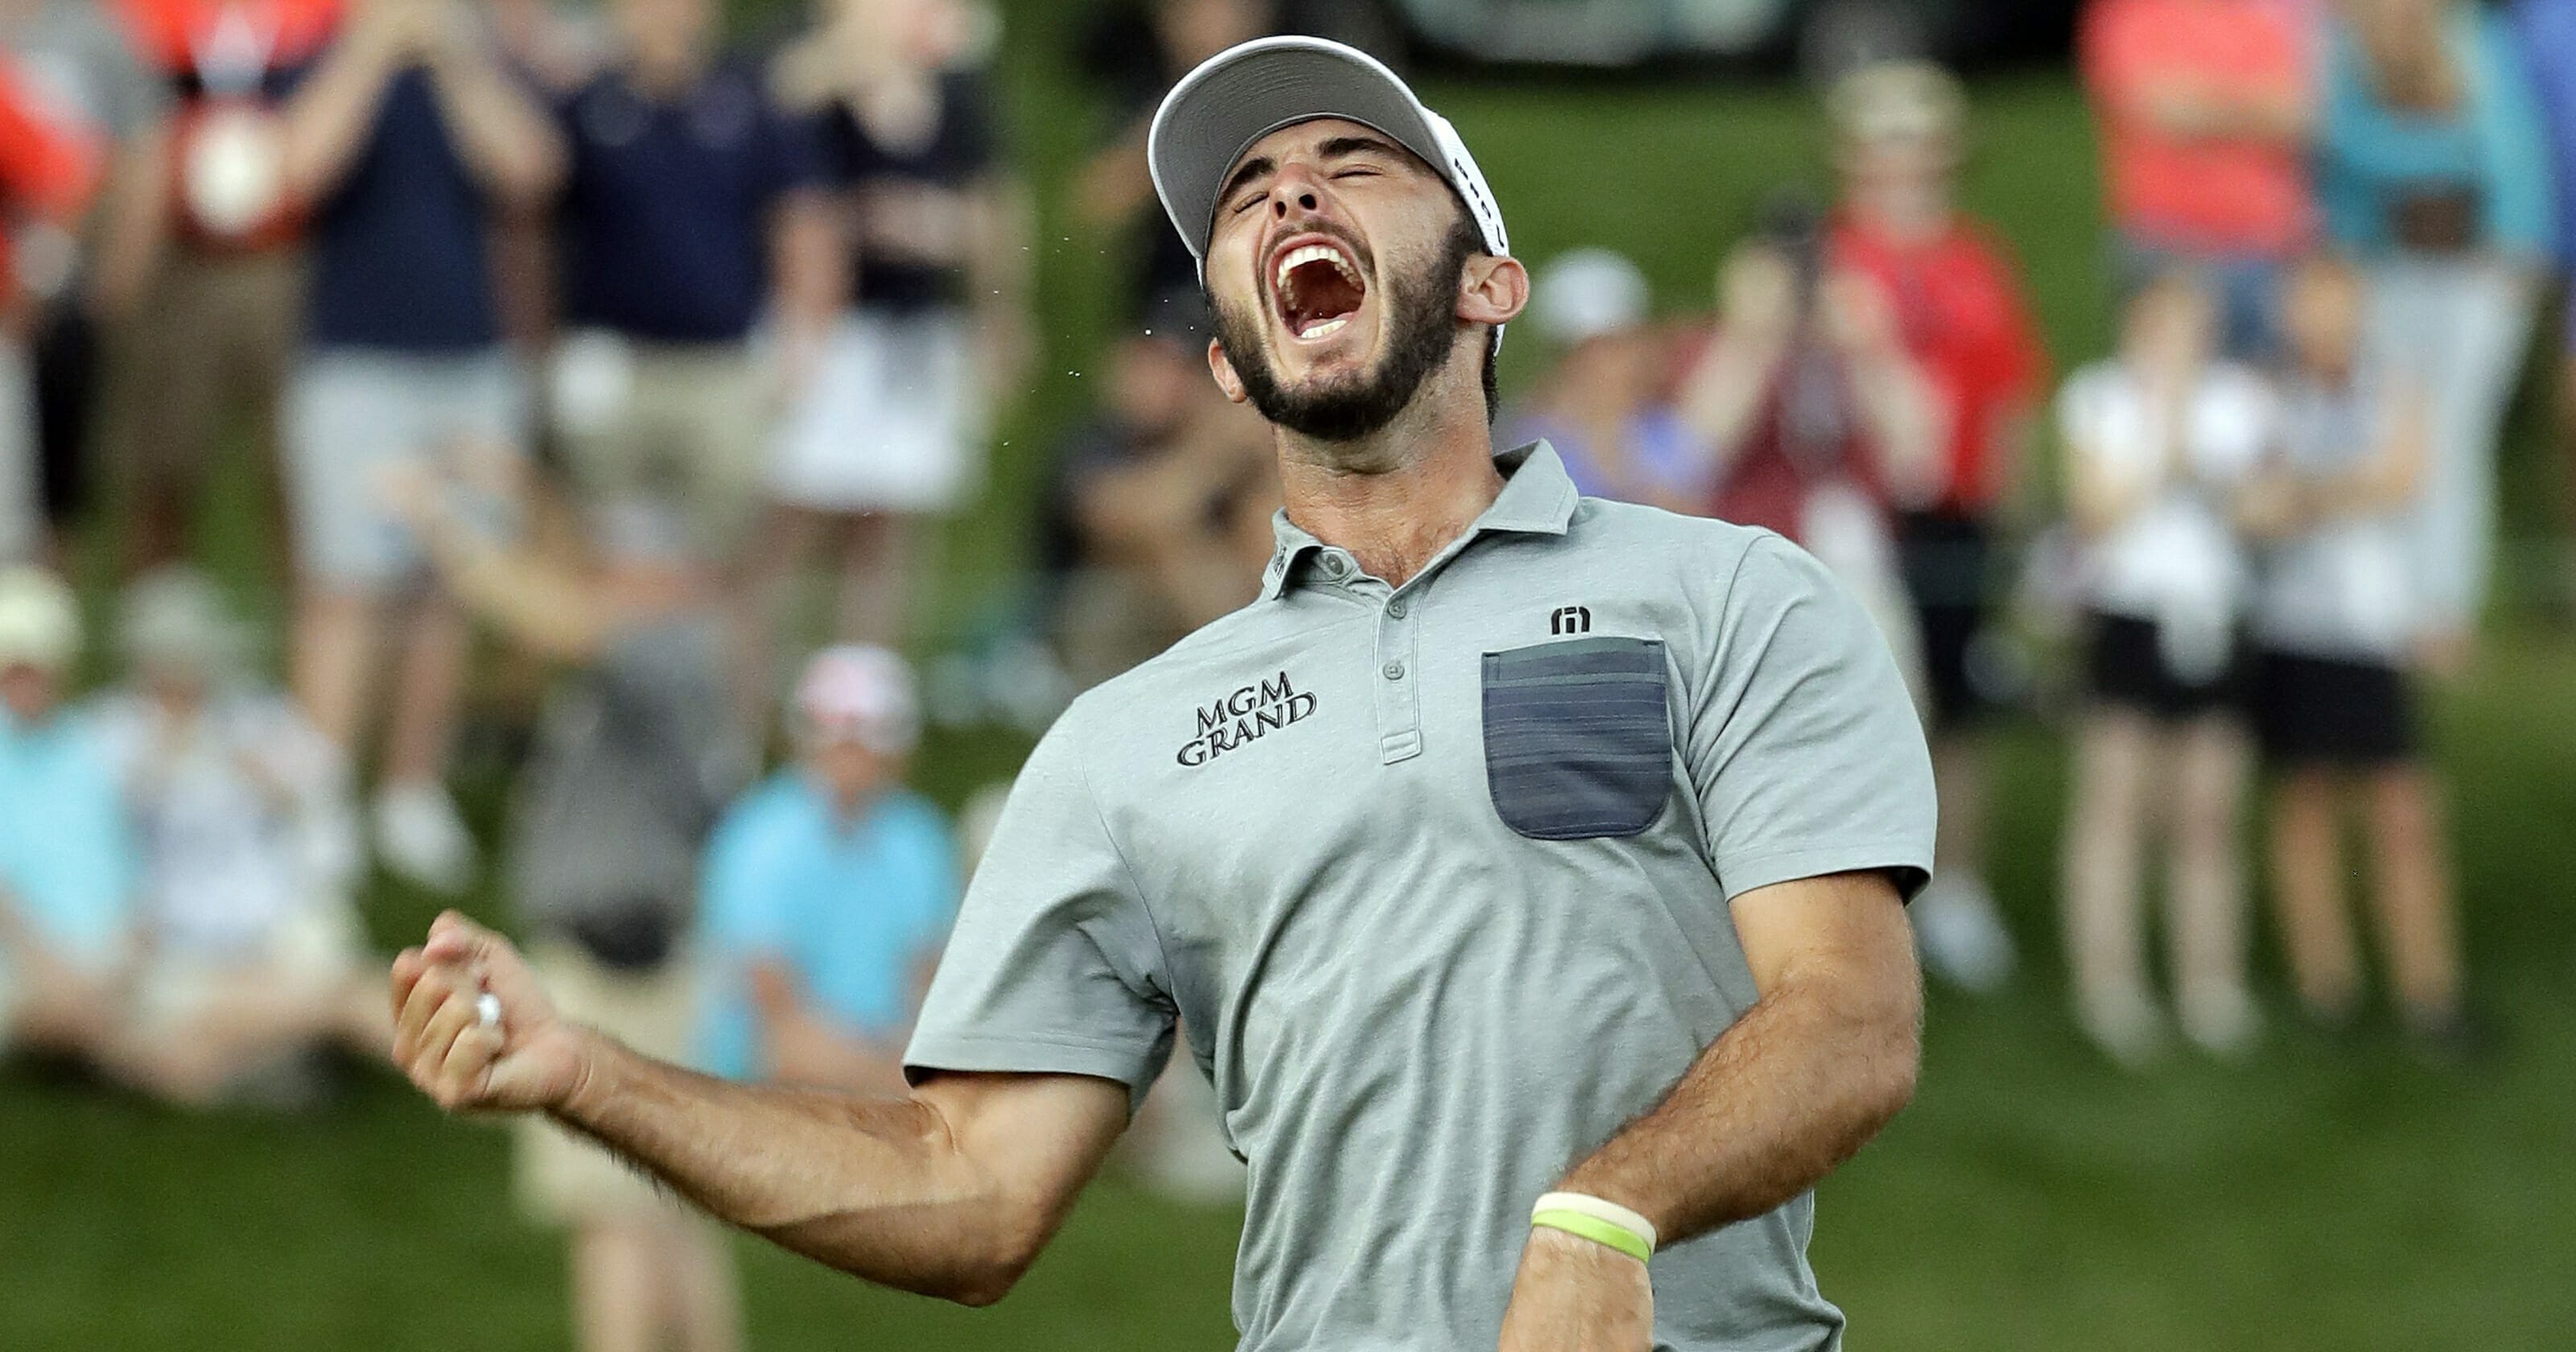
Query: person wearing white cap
{"points": [[1505, 828], [66, 853], [828, 890], [1900, 140], [1599, 406], [247, 851]]}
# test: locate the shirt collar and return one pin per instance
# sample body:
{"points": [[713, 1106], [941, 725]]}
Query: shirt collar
{"points": [[1537, 499]]}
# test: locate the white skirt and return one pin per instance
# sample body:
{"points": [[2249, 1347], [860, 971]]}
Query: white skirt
{"points": [[892, 421]]}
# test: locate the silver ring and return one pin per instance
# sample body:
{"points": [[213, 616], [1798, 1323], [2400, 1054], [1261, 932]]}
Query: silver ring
{"points": [[487, 1010]]}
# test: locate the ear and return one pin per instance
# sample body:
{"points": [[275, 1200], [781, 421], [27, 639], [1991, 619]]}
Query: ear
{"points": [[1223, 370], [1492, 290]]}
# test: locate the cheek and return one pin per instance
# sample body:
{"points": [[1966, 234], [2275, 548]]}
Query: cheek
{"points": [[1231, 273]]}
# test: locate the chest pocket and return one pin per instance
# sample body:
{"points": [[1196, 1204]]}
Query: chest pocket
{"points": [[1578, 741]]}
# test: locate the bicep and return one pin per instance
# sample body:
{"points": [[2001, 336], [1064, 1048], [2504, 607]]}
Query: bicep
{"points": [[1036, 1139], [1846, 928]]}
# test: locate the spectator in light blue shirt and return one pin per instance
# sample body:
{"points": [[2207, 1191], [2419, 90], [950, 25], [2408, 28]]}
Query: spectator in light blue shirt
{"points": [[1597, 407], [828, 890], [2548, 29], [66, 858], [2433, 169]]}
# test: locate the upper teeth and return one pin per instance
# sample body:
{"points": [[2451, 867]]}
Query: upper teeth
{"points": [[1313, 253]]}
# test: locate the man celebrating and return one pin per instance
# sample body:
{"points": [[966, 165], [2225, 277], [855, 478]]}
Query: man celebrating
{"points": [[1506, 829]]}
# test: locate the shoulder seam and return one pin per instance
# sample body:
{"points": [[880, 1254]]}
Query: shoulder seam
{"points": [[1162, 951]]}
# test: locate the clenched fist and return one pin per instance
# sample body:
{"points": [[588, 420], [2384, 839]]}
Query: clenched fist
{"points": [[529, 1060]]}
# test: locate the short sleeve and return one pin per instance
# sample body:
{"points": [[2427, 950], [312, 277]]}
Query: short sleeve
{"points": [[2079, 409], [2096, 424], [1054, 966], [1803, 747], [2240, 420], [47, 170], [2020, 359], [793, 160]]}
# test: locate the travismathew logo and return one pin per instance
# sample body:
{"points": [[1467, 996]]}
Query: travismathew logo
{"points": [[1240, 719]]}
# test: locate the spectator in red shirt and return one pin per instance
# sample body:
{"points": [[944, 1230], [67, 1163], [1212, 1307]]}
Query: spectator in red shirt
{"points": [[47, 173], [1959, 308], [1813, 414], [2205, 108]]}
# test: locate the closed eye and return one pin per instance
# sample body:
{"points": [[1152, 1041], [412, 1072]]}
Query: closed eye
{"points": [[1356, 171]]}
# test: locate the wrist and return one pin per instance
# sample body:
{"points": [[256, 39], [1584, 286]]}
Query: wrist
{"points": [[1589, 1216], [594, 1056]]}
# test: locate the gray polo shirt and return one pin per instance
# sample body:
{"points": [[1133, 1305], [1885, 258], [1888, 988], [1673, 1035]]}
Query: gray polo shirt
{"points": [[1436, 877]]}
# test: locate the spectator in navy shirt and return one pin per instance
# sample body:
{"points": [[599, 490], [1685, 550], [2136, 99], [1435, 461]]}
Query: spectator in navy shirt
{"points": [[693, 205], [890, 433], [408, 138]]}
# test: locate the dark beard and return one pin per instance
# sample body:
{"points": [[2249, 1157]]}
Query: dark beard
{"points": [[1423, 329]]}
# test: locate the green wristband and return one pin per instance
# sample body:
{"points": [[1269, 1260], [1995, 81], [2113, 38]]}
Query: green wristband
{"points": [[1597, 1230]]}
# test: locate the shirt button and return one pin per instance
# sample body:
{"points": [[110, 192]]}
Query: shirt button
{"points": [[1395, 671], [1335, 566], [1395, 609]]}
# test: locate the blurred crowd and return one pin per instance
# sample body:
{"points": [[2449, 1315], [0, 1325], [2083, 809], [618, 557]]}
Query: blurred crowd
{"points": [[2333, 227], [655, 362]]}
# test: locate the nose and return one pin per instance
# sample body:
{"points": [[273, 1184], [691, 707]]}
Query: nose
{"points": [[1295, 192]]}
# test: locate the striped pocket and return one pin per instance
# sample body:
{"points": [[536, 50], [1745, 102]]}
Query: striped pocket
{"points": [[1578, 742]]}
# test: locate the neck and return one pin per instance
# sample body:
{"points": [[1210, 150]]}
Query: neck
{"points": [[1904, 212], [849, 807], [1397, 497], [666, 76]]}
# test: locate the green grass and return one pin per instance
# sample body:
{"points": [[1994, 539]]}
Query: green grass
{"points": [[2320, 1197]]}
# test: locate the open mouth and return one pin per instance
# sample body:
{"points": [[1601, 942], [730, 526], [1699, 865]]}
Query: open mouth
{"points": [[1317, 288]]}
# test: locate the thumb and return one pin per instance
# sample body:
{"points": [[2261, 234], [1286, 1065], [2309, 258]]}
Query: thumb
{"points": [[455, 939]]}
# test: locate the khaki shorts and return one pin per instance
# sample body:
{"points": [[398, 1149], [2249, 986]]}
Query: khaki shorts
{"points": [[213, 338], [565, 1179], [684, 424]]}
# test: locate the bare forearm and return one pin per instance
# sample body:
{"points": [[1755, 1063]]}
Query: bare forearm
{"points": [[329, 121], [873, 1186], [1725, 394], [510, 145], [809, 254], [506, 587], [1903, 415], [1796, 1087]]}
